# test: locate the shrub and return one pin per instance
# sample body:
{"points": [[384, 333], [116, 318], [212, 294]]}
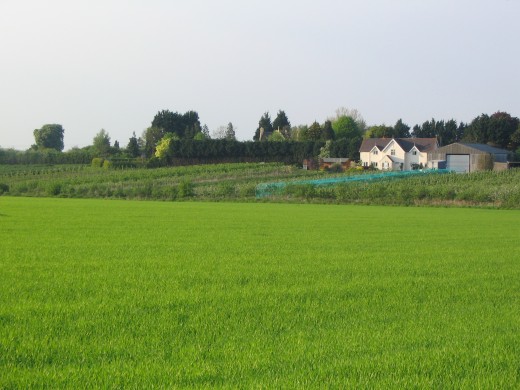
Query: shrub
{"points": [[97, 162], [335, 168], [107, 164], [3, 188], [155, 162]]}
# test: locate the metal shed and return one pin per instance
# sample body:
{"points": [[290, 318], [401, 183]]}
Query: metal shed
{"points": [[463, 157]]}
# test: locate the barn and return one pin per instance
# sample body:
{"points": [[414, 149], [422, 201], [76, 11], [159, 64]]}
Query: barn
{"points": [[463, 157]]}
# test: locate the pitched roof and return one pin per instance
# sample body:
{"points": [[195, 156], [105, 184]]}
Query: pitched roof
{"points": [[368, 144], [423, 144]]}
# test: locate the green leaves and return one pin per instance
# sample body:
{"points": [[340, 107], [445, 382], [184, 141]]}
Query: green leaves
{"points": [[49, 137]]}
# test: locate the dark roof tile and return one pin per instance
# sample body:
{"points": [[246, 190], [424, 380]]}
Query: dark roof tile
{"points": [[423, 144]]}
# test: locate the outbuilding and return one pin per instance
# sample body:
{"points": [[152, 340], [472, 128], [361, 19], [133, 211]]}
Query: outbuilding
{"points": [[464, 157]]}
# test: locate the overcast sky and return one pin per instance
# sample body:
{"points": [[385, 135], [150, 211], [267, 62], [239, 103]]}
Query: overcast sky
{"points": [[114, 64]]}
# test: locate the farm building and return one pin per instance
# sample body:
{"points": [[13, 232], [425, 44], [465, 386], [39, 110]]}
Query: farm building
{"points": [[396, 154], [462, 157]]}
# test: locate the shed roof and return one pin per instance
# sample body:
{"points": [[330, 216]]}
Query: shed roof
{"points": [[486, 148], [468, 148], [335, 159]]}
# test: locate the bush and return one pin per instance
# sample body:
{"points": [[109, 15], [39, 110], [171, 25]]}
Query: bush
{"points": [[335, 168], [155, 162], [107, 164], [3, 188], [97, 162]]}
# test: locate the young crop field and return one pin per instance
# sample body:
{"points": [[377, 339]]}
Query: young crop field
{"points": [[240, 182], [116, 294], [221, 181]]}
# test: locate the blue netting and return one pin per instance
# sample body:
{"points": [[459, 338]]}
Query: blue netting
{"points": [[266, 189]]}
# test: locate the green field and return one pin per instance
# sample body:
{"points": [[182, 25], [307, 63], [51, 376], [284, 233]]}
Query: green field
{"points": [[111, 294]]}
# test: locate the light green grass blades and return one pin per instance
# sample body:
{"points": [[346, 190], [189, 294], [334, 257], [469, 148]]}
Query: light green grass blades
{"points": [[113, 294]]}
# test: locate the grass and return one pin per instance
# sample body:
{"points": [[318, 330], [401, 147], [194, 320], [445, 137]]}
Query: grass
{"points": [[104, 293]]}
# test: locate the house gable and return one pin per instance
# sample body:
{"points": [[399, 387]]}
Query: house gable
{"points": [[392, 145], [375, 150], [415, 151]]}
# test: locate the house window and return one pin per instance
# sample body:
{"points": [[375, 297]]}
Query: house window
{"points": [[375, 152], [374, 164], [392, 152], [414, 152]]}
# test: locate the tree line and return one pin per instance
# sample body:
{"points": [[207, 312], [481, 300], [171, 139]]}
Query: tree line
{"points": [[175, 137]]}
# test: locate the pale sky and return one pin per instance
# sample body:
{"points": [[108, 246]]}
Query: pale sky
{"points": [[113, 64]]}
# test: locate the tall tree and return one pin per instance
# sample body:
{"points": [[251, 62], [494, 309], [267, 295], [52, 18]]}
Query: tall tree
{"points": [[299, 133], [445, 132], [496, 129], [281, 122], [461, 130], [346, 127], [477, 130], [265, 124], [401, 130], [230, 132], [327, 132], [183, 125], [426, 130], [151, 137], [352, 113], [380, 131], [501, 127], [133, 146], [50, 136], [205, 131], [101, 143], [314, 132], [116, 149], [450, 134]]}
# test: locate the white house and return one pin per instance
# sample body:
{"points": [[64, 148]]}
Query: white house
{"points": [[396, 154]]}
